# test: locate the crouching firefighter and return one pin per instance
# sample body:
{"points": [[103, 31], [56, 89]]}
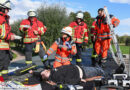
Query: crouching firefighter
{"points": [[32, 29], [5, 36], [103, 34], [64, 47], [79, 35]]}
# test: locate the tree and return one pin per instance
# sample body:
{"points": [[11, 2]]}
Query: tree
{"points": [[127, 42], [55, 18]]}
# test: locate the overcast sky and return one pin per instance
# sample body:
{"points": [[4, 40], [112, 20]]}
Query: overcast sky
{"points": [[119, 8]]}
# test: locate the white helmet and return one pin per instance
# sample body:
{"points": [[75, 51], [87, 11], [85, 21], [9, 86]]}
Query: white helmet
{"points": [[5, 4], [32, 13], [67, 30], [80, 15]]}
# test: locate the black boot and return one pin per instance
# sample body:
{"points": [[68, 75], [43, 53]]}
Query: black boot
{"points": [[78, 63]]}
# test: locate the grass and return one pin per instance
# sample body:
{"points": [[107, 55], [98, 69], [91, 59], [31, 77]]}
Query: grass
{"points": [[124, 49]]}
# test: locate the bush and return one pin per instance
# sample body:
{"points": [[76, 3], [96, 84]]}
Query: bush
{"points": [[55, 18]]}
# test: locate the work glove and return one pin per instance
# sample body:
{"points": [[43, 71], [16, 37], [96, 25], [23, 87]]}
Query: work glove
{"points": [[45, 57], [46, 63], [68, 45]]}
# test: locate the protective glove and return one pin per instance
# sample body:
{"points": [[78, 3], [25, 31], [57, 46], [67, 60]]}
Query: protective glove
{"points": [[45, 57], [68, 45], [46, 63]]}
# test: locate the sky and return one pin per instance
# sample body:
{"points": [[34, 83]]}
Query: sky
{"points": [[119, 8]]}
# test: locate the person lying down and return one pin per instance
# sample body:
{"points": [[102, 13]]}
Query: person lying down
{"points": [[69, 74]]}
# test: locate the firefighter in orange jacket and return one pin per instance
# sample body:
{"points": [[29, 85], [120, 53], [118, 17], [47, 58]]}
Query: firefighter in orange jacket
{"points": [[32, 29], [103, 34], [5, 36], [79, 35], [64, 47]]}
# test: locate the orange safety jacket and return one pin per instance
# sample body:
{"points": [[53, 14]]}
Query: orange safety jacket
{"points": [[29, 36], [5, 33], [80, 32], [62, 52], [102, 28]]}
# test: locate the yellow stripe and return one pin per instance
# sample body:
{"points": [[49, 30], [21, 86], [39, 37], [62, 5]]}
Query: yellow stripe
{"points": [[28, 68], [93, 27], [86, 38], [4, 71], [95, 56], [78, 60], [4, 45], [30, 39], [0, 74], [3, 31], [85, 30], [28, 62]]}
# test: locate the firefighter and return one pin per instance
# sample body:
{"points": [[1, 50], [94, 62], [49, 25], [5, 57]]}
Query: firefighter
{"points": [[103, 35], [64, 47], [5, 36], [32, 29], [79, 35], [93, 39]]}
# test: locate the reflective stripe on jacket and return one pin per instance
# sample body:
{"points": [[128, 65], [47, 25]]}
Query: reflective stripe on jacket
{"points": [[29, 35], [80, 32], [5, 33], [62, 52]]}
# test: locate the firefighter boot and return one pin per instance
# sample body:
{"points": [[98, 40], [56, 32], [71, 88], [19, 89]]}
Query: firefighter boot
{"points": [[103, 61]]}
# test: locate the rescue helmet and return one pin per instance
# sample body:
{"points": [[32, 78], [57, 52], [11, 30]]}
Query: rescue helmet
{"points": [[5, 4], [80, 15], [32, 13], [67, 30]]}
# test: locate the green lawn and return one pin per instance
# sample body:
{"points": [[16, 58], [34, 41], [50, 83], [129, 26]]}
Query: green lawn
{"points": [[124, 49]]}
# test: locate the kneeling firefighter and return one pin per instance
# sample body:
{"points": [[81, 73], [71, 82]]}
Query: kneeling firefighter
{"points": [[33, 29], [64, 47]]}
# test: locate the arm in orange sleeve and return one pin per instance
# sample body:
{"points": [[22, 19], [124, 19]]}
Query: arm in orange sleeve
{"points": [[52, 48], [115, 22], [74, 49]]}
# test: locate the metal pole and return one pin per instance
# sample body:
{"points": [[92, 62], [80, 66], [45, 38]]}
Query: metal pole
{"points": [[129, 62]]}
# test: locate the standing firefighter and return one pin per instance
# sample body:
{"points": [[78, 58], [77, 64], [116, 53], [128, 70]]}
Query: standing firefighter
{"points": [[79, 35], [5, 36], [64, 47], [103, 34], [32, 29]]}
